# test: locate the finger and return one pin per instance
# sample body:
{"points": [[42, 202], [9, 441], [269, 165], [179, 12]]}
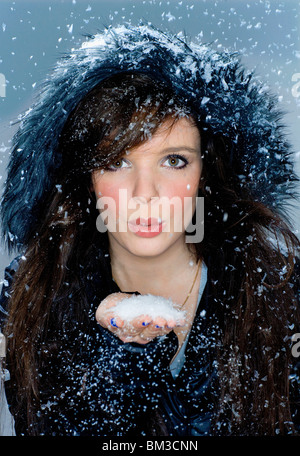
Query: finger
{"points": [[110, 320], [153, 331], [125, 337], [143, 340], [116, 322], [108, 303], [159, 322], [137, 339], [180, 322], [141, 321], [126, 328], [171, 323]]}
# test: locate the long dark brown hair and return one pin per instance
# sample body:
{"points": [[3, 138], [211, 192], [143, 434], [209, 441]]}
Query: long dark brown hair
{"points": [[251, 274]]}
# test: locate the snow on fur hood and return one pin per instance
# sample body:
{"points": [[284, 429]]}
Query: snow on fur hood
{"points": [[220, 90]]}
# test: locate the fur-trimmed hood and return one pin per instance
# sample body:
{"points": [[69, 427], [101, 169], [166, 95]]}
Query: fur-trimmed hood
{"points": [[224, 95]]}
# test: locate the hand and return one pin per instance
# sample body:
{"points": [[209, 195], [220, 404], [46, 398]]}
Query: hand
{"points": [[141, 329]]}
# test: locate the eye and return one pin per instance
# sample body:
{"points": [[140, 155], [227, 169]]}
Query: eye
{"points": [[118, 164], [176, 161]]}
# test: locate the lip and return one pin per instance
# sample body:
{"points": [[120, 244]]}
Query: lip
{"points": [[149, 227]]}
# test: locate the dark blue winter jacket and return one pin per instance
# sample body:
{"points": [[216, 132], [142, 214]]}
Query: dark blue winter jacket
{"points": [[111, 388]]}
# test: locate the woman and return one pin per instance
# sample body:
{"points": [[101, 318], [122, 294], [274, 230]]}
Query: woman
{"points": [[140, 112]]}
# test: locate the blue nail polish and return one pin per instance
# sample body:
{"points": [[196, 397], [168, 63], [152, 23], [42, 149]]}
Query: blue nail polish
{"points": [[145, 324], [156, 326], [113, 322]]}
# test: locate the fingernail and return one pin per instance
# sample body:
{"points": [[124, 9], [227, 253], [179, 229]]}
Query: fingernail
{"points": [[146, 323], [156, 326], [113, 322]]}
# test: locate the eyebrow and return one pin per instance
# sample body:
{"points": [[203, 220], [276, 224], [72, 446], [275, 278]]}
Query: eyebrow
{"points": [[180, 148]]}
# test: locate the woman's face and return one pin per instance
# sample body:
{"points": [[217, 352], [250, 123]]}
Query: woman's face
{"points": [[147, 198]]}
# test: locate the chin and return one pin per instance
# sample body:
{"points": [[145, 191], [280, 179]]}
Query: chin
{"points": [[151, 247]]}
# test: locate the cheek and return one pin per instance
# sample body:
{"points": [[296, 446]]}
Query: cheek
{"points": [[183, 188], [107, 192], [183, 195], [107, 204]]}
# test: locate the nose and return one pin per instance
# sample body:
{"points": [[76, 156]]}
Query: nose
{"points": [[145, 186]]}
